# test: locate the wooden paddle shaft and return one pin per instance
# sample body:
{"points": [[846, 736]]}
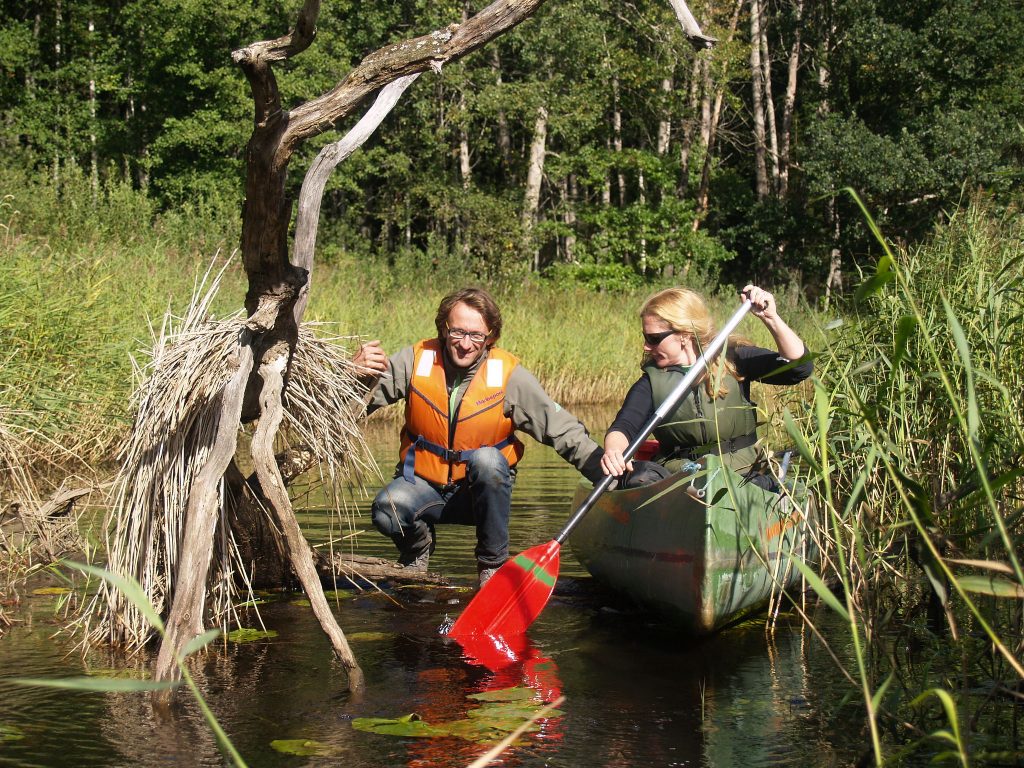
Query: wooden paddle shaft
{"points": [[660, 413]]}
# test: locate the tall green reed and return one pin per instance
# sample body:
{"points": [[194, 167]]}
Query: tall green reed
{"points": [[914, 446], [77, 293]]}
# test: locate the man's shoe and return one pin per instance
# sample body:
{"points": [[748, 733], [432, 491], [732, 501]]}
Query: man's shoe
{"points": [[415, 549], [419, 563], [484, 573]]}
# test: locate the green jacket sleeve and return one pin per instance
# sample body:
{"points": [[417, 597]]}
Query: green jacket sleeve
{"points": [[533, 411], [393, 384]]}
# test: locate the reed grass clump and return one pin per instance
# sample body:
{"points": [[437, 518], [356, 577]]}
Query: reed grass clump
{"points": [[177, 410], [914, 438]]}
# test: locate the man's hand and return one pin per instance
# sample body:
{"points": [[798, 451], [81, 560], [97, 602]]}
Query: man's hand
{"points": [[371, 359]]}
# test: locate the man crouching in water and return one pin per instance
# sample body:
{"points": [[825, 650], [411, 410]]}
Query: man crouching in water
{"points": [[464, 400]]}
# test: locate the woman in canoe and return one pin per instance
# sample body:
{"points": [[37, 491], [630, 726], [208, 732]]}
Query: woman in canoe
{"points": [[717, 415]]}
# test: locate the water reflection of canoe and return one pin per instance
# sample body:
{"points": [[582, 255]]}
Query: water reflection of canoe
{"points": [[703, 549]]}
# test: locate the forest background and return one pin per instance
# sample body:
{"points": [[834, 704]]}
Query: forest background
{"points": [[573, 164]]}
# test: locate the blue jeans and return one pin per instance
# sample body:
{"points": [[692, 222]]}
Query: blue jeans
{"points": [[407, 512]]}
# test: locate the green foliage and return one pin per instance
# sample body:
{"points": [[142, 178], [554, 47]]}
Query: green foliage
{"points": [[909, 103]]}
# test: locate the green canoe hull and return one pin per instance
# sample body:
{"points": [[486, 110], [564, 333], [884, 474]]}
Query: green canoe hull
{"points": [[703, 549]]}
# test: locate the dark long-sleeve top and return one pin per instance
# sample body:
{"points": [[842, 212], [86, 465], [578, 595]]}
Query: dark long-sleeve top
{"points": [[752, 364]]}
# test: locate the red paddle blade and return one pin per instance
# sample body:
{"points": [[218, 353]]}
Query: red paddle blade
{"points": [[515, 595]]}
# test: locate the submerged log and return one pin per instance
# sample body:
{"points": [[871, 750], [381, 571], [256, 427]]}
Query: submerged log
{"points": [[343, 567]]}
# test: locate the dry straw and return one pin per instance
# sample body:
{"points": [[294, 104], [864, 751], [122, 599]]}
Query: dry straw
{"points": [[177, 408]]}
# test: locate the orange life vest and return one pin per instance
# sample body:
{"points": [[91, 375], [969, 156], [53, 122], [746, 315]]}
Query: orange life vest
{"points": [[430, 447]]}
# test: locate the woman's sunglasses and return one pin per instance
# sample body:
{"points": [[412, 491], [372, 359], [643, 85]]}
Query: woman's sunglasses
{"points": [[654, 339]]}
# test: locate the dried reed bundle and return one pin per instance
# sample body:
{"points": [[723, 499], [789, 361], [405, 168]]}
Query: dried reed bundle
{"points": [[16, 489], [177, 407]]}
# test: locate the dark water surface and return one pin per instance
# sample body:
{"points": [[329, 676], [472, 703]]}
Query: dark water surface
{"points": [[636, 693]]}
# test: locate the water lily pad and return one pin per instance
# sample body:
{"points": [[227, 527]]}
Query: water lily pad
{"points": [[505, 694], [304, 747], [509, 710], [10, 733], [248, 635], [484, 729], [339, 594], [409, 725], [490, 722], [51, 591], [371, 636]]}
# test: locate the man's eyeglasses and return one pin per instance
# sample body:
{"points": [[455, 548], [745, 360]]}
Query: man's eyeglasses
{"points": [[457, 334], [654, 339]]}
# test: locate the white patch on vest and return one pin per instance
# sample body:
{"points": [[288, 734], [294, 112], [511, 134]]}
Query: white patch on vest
{"points": [[426, 363], [495, 373]]}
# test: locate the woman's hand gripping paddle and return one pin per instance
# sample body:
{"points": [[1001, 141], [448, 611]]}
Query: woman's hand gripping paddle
{"points": [[516, 594]]}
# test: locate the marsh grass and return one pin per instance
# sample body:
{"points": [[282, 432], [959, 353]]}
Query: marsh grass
{"points": [[914, 444], [73, 309]]}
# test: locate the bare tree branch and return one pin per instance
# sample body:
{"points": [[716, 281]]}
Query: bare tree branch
{"points": [[307, 220]]}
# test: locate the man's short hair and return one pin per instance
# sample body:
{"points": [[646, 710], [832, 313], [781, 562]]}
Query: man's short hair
{"points": [[475, 298]]}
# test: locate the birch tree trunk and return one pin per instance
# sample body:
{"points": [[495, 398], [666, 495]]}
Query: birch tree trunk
{"points": [[769, 100], [642, 199], [665, 124], [789, 102], [697, 78], [465, 170], [570, 197], [835, 273], [94, 163], [58, 32], [464, 163], [534, 177], [712, 126], [617, 141], [504, 140], [757, 102]]}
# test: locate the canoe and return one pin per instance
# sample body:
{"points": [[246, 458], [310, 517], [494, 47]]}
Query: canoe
{"points": [[702, 549]]}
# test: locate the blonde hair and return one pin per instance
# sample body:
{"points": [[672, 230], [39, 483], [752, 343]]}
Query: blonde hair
{"points": [[685, 311]]}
